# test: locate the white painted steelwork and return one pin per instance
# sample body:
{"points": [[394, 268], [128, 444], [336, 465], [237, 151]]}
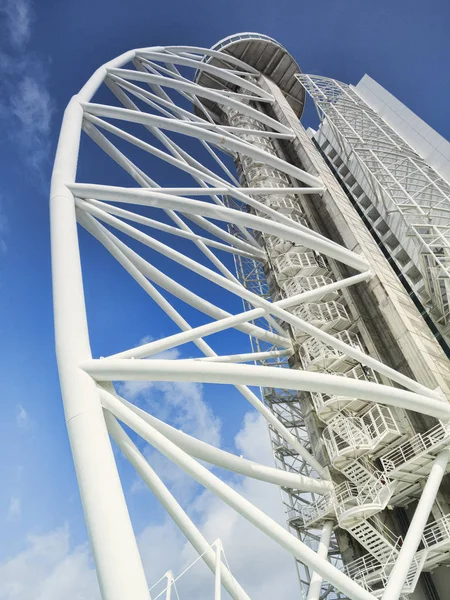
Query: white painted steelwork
{"points": [[405, 200], [249, 222]]}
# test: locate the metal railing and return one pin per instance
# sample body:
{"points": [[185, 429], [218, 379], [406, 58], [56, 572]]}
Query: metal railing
{"points": [[421, 443], [374, 492], [296, 285], [314, 351], [300, 260], [363, 567], [346, 435], [314, 512], [437, 532]]}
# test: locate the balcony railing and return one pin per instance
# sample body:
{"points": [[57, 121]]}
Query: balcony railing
{"points": [[437, 532], [346, 438], [314, 512], [327, 405], [363, 567], [329, 316], [298, 285], [294, 263], [316, 355], [420, 444]]}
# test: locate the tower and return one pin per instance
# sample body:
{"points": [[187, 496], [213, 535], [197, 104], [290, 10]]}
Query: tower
{"points": [[354, 383]]}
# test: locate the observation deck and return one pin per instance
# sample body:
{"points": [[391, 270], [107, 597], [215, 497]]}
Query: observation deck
{"points": [[264, 54]]}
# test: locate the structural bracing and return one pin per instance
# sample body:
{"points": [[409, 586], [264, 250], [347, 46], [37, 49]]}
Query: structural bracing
{"points": [[237, 227]]}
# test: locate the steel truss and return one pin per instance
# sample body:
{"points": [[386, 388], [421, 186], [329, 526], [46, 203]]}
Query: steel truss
{"points": [[411, 196], [152, 92]]}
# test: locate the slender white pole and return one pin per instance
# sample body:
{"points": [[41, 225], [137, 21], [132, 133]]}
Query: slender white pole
{"points": [[412, 539], [246, 357], [169, 577], [324, 544], [218, 578]]}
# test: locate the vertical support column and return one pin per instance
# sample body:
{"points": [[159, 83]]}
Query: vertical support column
{"points": [[322, 551], [170, 580], [218, 578], [118, 563], [412, 540]]}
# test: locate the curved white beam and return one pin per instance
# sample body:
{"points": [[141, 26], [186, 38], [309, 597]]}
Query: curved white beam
{"points": [[172, 370], [226, 460], [119, 566], [224, 74], [136, 218], [214, 53], [190, 129], [197, 90], [150, 197]]}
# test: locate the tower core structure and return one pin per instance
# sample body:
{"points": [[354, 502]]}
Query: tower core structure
{"points": [[354, 383]]}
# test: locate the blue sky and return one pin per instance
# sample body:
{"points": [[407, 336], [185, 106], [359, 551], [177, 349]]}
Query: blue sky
{"points": [[47, 51]]}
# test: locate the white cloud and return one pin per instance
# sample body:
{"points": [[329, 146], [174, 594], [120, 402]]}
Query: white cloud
{"points": [[26, 107], [17, 15], [253, 439], [14, 508], [22, 417], [49, 569], [181, 404], [32, 106]]}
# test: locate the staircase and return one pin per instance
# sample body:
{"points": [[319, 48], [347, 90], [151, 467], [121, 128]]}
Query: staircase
{"points": [[346, 437], [416, 455], [354, 430], [376, 538]]}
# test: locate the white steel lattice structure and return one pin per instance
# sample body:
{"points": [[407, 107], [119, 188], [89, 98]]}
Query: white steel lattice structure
{"points": [[293, 309], [407, 201]]}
